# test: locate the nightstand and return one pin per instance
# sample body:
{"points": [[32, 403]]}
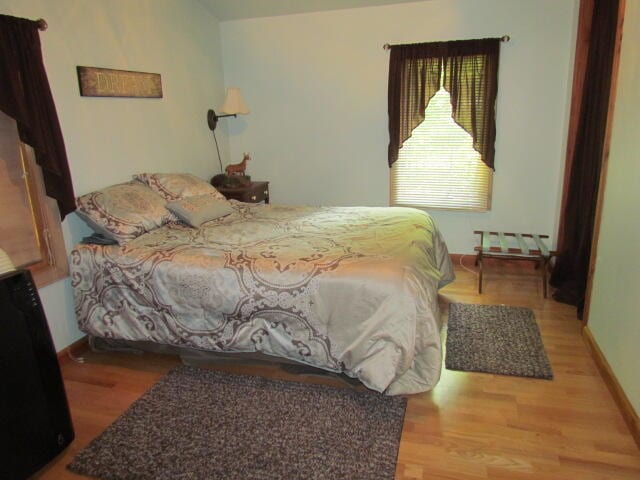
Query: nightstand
{"points": [[254, 192]]}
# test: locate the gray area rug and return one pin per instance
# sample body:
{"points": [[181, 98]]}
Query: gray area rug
{"points": [[495, 339], [201, 424]]}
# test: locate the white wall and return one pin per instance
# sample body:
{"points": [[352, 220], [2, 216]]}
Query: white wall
{"points": [[614, 317], [317, 87], [109, 139]]}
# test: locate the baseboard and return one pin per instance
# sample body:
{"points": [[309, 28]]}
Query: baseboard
{"points": [[470, 258], [628, 412], [455, 257], [74, 349]]}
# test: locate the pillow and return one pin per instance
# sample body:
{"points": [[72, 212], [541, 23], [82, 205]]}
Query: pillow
{"points": [[199, 209], [176, 186], [123, 212]]}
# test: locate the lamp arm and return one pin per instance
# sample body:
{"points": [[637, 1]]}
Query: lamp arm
{"points": [[212, 121], [212, 118], [218, 150]]}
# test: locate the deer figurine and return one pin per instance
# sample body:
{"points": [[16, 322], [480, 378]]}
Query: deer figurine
{"points": [[238, 168]]}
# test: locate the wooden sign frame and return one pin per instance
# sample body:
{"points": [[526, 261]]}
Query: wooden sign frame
{"points": [[107, 82]]}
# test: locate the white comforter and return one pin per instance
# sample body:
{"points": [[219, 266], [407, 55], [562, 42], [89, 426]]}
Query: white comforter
{"points": [[350, 290]]}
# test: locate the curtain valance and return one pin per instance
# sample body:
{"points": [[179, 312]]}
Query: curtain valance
{"points": [[467, 69], [26, 97]]}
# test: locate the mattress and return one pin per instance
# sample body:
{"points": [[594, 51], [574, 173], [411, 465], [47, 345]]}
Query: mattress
{"points": [[347, 289]]}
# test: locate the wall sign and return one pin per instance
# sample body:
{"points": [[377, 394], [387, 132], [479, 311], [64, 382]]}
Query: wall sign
{"points": [[106, 82]]}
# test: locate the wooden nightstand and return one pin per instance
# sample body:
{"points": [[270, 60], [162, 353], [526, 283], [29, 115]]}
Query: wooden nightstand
{"points": [[255, 192]]}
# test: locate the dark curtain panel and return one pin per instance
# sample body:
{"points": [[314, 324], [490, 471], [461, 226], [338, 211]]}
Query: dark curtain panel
{"points": [[468, 69], [471, 78], [414, 78], [570, 273], [25, 96]]}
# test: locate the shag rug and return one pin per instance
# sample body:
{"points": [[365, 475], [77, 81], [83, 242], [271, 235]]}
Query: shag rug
{"points": [[202, 424], [495, 339]]}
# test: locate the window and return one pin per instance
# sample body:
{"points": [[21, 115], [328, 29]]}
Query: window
{"points": [[442, 129], [36, 190], [30, 230], [438, 167]]}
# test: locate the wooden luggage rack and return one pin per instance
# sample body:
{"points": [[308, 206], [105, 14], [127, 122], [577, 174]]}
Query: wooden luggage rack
{"points": [[541, 255]]}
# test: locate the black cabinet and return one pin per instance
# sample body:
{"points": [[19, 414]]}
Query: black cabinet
{"points": [[35, 424]]}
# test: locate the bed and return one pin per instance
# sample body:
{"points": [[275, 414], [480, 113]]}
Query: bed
{"points": [[346, 289]]}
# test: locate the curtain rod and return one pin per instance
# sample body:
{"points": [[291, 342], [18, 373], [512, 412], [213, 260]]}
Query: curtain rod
{"points": [[42, 24], [504, 38]]}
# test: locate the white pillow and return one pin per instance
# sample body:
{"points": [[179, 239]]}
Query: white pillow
{"points": [[123, 212], [176, 186], [199, 209]]}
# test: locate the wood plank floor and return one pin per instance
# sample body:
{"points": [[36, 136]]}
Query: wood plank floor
{"points": [[471, 426]]}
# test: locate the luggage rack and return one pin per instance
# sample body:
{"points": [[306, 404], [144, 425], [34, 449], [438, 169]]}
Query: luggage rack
{"points": [[541, 254]]}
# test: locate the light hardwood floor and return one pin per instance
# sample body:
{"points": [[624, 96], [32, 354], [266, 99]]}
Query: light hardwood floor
{"points": [[471, 426]]}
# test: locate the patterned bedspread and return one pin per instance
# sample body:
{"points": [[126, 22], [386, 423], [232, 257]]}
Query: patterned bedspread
{"points": [[347, 289]]}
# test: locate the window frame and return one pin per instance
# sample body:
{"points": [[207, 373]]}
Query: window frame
{"points": [[54, 265], [45, 219], [468, 70]]}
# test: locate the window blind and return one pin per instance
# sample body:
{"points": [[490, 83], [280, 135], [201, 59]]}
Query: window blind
{"points": [[438, 167], [19, 235]]}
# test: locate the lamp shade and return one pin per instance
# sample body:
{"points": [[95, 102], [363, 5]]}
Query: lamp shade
{"points": [[234, 103]]}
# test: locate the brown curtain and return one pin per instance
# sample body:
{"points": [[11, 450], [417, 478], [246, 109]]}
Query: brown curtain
{"points": [[468, 70], [570, 273], [414, 78], [25, 96], [471, 78]]}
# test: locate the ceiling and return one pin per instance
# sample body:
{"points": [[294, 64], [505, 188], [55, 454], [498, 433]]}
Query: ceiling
{"points": [[239, 9]]}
